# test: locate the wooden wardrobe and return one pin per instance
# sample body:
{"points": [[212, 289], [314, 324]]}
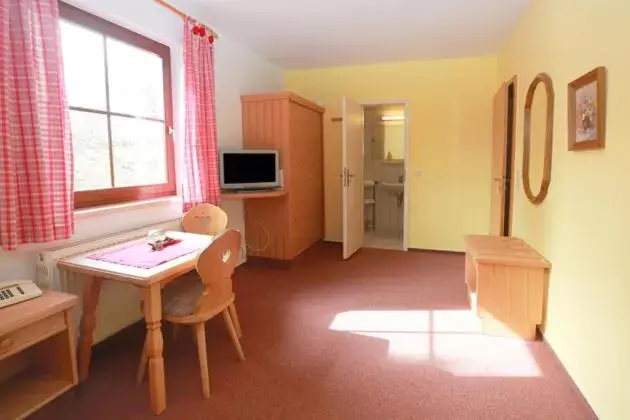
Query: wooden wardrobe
{"points": [[282, 227]]}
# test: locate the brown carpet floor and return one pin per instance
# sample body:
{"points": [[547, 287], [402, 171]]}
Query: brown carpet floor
{"points": [[386, 335]]}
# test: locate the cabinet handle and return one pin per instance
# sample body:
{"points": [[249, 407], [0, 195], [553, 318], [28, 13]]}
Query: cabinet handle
{"points": [[344, 177]]}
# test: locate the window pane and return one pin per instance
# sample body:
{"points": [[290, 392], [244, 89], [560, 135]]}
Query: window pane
{"points": [[84, 66], [136, 82], [139, 152], [91, 151]]}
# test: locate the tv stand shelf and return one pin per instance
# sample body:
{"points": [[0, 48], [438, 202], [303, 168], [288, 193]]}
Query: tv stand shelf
{"points": [[242, 195]]}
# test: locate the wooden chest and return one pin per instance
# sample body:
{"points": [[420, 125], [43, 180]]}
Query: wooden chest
{"points": [[506, 280]]}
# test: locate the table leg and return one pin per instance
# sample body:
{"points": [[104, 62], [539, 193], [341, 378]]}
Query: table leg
{"points": [[91, 293], [155, 345]]}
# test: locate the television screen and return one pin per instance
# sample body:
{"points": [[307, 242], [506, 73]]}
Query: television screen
{"points": [[249, 169]]}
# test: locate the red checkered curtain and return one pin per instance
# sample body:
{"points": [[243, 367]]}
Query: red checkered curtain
{"points": [[36, 179], [201, 173]]}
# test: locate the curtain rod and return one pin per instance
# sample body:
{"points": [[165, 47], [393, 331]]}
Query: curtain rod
{"points": [[183, 15]]}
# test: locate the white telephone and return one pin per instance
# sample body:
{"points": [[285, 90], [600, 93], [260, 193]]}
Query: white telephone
{"points": [[16, 291]]}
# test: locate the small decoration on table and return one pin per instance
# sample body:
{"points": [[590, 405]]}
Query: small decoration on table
{"points": [[157, 239]]}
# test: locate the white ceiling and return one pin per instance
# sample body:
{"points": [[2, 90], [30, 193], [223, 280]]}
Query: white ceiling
{"points": [[320, 33]]}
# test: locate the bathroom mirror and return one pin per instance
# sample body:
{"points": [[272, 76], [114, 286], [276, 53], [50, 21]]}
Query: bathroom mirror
{"points": [[540, 133], [384, 126]]}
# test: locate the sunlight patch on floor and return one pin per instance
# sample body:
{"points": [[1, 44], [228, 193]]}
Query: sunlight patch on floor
{"points": [[449, 339]]}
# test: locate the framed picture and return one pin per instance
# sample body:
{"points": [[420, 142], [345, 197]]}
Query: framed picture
{"points": [[587, 111]]}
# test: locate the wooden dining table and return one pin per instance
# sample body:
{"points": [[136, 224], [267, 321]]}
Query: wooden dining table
{"points": [[95, 270]]}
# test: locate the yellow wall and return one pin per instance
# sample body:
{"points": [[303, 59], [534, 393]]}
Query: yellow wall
{"points": [[450, 104], [584, 225]]}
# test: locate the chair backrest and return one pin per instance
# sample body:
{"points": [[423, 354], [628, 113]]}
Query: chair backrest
{"points": [[215, 266], [205, 219]]}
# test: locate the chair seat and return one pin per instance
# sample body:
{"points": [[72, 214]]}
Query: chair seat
{"points": [[180, 297]]}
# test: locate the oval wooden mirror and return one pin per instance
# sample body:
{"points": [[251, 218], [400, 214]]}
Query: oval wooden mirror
{"points": [[544, 80]]}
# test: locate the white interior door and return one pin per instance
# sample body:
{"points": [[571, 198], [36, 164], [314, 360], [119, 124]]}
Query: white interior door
{"points": [[352, 176]]}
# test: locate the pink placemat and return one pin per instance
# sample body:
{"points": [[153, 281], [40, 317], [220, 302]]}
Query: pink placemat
{"points": [[141, 255]]}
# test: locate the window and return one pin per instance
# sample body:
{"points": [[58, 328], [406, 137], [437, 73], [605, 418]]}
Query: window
{"points": [[119, 92]]}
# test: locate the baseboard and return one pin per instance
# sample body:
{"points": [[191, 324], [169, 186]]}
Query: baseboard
{"points": [[267, 262], [436, 251], [409, 249], [541, 337], [256, 261]]}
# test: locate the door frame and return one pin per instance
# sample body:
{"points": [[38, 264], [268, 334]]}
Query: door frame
{"points": [[406, 190], [506, 154], [513, 178]]}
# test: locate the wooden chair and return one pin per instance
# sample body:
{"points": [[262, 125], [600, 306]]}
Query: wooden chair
{"points": [[205, 219], [194, 300]]}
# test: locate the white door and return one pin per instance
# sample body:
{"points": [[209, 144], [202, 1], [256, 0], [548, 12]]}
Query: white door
{"points": [[352, 176]]}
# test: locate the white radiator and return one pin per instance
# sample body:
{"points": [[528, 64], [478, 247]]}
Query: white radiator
{"points": [[119, 304]]}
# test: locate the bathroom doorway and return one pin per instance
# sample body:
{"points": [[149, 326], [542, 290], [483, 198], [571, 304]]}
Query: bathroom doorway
{"points": [[385, 180]]}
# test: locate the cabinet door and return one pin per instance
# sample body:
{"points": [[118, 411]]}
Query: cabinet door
{"points": [[265, 126], [316, 231], [307, 211]]}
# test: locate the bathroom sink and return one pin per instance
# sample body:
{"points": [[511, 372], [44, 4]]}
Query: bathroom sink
{"points": [[393, 186]]}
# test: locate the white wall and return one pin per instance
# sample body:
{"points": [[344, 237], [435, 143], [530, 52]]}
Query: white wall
{"points": [[238, 71]]}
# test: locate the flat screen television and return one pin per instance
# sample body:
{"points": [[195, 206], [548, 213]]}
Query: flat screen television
{"points": [[249, 169]]}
